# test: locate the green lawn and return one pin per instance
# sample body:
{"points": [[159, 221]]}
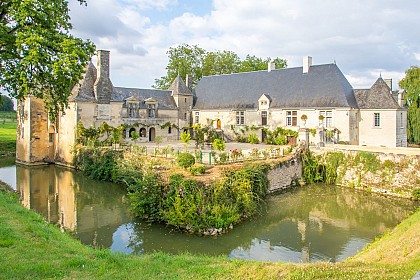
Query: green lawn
{"points": [[33, 249], [7, 133]]}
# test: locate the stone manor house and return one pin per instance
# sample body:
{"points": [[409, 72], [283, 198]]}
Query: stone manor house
{"points": [[262, 99]]}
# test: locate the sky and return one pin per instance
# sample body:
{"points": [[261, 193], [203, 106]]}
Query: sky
{"points": [[366, 39]]}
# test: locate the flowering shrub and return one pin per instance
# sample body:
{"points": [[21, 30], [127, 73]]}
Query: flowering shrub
{"points": [[236, 154]]}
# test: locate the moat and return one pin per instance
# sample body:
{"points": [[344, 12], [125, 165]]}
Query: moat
{"points": [[309, 224]]}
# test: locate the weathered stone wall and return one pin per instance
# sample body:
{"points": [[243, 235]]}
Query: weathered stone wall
{"points": [[285, 175]]}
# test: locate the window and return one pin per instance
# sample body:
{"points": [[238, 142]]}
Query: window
{"points": [[401, 120], [264, 118], [377, 119], [151, 110], [327, 121], [132, 110], [197, 117], [291, 118], [169, 130], [240, 118], [263, 103], [51, 137]]}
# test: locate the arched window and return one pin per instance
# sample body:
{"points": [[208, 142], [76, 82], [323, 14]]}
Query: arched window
{"points": [[142, 132], [131, 131]]}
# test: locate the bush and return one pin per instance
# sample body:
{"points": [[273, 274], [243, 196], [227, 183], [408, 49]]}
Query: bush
{"points": [[253, 138], [186, 160], [416, 194], [194, 170]]}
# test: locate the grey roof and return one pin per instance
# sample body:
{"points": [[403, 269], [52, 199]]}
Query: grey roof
{"points": [[163, 97], [323, 86], [377, 97], [83, 91], [178, 87]]}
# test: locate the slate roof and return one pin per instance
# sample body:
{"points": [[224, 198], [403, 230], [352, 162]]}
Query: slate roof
{"points": [[324, 86], [178, 87], [83, 91], [377, 97], [163, 97]]}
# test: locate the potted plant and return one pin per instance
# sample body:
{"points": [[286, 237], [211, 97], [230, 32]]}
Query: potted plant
{"points": [[304, 118]]}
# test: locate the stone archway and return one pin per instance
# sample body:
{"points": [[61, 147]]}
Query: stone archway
{"points": [[152, 134], [130, 132], [142, 132]]}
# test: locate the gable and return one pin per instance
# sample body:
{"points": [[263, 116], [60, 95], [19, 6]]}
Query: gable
{"points": [[377, 97]]}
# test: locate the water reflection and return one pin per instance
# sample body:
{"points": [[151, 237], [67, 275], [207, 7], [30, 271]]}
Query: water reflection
{"points": [[305, 225]]}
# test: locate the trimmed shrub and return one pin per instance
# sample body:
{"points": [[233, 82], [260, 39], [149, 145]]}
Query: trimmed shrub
{"points": [[186, 160], [194, 170]]}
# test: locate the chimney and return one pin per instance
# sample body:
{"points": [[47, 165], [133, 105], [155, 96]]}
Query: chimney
{"points": [[271, 66], [103, 85], [389, 83], [401, 98], [188, 81], [307, 63]]}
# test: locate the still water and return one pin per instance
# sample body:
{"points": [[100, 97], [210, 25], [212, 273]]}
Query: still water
{"points": [[314, 223]]}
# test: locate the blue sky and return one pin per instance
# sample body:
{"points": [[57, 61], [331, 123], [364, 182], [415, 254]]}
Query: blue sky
{"points": [[365, 38]]}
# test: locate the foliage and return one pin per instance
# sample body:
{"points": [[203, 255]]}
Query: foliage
{"points": [[194, 170], [186, 59], [369, 161], [145, 197], [279, 136], [411, 84], [185, 137], [6, 103], [158, 140], [38, 55], [416, 194], [313, 171], [185, 160], [253, 138], [96, 163], [135, 136], [219, 145]]}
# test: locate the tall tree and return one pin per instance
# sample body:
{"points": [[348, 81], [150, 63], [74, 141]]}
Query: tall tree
{"points": [[411, 84], [185, 59], [38, 55], [6, 104]]}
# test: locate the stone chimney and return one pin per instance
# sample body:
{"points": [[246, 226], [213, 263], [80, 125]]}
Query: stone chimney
{"points": [[271, 66], [307, 63], [401, 98], [188, 81], [389, 83], [103, 85]]}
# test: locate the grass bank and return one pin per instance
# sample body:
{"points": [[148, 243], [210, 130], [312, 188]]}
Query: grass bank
{"points": [[7, 133], [33, 249]]}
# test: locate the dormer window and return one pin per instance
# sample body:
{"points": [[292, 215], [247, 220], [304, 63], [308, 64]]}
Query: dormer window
{"points": [[151, 110], [152, 107], [132, 104]]}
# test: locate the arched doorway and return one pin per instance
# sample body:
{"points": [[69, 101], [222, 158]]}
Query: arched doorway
{"points": [[142, 132], [130, 132], [152, 134], [219, 124]]}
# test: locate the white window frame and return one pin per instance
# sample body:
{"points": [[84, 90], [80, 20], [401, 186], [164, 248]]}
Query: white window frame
{"points": [[197, 117], [240, 117], [328, 118], [376, 119], [291, 117]]}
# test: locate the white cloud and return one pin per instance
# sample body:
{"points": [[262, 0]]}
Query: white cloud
{"points": [[362, 36]]}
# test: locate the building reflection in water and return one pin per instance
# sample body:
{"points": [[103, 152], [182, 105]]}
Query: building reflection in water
{"points": [[89, 209], [304, 225]]}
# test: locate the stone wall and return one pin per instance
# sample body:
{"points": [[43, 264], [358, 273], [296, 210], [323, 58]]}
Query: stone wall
{"points": [[285, 175]]}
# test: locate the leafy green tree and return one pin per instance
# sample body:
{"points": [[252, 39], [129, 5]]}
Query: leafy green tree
{"points": [[411, 84], [6, 104], [38, 55], [221, 62], [185, 59]]}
